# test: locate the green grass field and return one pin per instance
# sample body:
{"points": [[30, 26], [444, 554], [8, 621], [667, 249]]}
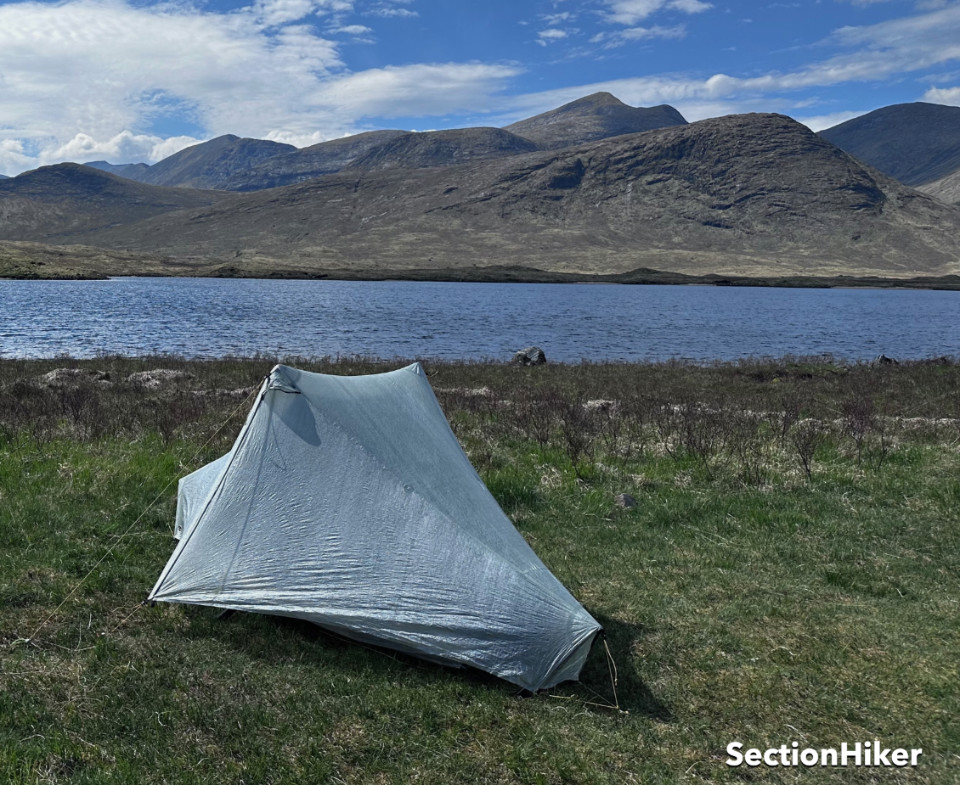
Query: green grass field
{"points": [[791, 572]]}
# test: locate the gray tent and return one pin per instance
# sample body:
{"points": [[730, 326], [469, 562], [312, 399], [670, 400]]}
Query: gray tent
{"points": [[348, 502]]}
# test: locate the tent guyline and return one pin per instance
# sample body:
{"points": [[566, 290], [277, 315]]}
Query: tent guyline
{"points": [[348, 502], [150, 506]]}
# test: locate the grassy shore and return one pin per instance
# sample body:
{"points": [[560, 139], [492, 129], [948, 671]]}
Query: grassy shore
{"points": [[790, 572], [35, 261]]}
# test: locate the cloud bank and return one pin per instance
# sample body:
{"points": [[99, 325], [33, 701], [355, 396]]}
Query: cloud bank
{"points": [[109, 79], [90, 79]]}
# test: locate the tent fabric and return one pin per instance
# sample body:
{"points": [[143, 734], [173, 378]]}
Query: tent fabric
{"points": [[192, 490], [348, 502]]}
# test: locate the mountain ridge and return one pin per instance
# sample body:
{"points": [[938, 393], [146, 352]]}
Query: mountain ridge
{"points": [[229, 162], [209, 164], [745, 195]]}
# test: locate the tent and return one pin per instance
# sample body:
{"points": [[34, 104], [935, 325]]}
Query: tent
{"points": [[347, 501]]}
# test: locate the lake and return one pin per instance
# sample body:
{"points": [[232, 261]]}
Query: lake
{"points": [[205, 317]]}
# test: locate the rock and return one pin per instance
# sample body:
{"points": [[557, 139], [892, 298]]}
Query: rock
{"points": [[156, 378], [532, 355], [602, 405], [625, 501], [74, 377]]}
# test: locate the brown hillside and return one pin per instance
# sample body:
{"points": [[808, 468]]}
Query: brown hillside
{"points": [[746, 194]]}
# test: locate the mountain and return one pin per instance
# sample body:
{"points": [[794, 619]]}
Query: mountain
{"points": [[442, 148], [211, 164], [596, 116], [4, 177], [753, 195], [56, 202], [130, 171], [314, 161], [915, 143], [946, 189], [234, 164]]}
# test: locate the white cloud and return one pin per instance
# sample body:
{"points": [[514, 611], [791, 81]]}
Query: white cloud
{"points": [[689, 6], [387, 12], [88, 79], [421, 89], [94, 78], [551, 34], [334, 6], [299, 140], [629, 12], [392, 8], [351, 30], [12, 157], [880, 52], [277, 12], [630, 34], [99, 66], [124, 146], [820, 122], [943, 95]]}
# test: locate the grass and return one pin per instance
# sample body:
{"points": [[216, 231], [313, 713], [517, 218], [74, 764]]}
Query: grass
{"points": [[791, 572]]}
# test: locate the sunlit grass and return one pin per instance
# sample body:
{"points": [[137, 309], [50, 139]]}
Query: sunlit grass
{"points": [[743, 599]]}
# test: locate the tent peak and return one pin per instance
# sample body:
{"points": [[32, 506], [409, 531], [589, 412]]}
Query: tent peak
{"points": [[286, 378]]}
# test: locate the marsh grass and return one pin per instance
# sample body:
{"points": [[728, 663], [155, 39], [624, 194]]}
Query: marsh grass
{"points": [[790, 572]]}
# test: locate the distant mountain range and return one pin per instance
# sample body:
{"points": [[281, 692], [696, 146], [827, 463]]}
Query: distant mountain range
{"points": [[594, 187], [234, 164]]}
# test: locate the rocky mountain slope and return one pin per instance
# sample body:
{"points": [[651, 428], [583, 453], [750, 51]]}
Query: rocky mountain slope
{"points": [[442, 148], [211, 164], [308, 162], [915, 143], [946, 189], [54, 203], [130, 171], [739, 195], [597, 116]]}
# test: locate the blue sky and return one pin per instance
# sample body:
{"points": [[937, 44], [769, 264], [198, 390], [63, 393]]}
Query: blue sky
{"points": [[137, 81]]}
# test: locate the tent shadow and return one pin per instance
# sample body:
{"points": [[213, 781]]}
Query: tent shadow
{"points": [[273, 640], [632, 693]]}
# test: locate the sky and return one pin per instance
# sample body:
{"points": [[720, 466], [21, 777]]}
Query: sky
{"points": [[83, 80]]}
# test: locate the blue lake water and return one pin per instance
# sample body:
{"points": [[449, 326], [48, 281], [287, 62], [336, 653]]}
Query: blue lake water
{"points": [[219, 317]]}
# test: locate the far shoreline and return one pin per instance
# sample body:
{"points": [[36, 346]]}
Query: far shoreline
{"points": [[506, 274]]}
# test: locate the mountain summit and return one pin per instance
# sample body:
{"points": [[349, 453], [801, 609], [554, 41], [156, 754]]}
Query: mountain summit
{"points": [[211, 164], [596, 116]]}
